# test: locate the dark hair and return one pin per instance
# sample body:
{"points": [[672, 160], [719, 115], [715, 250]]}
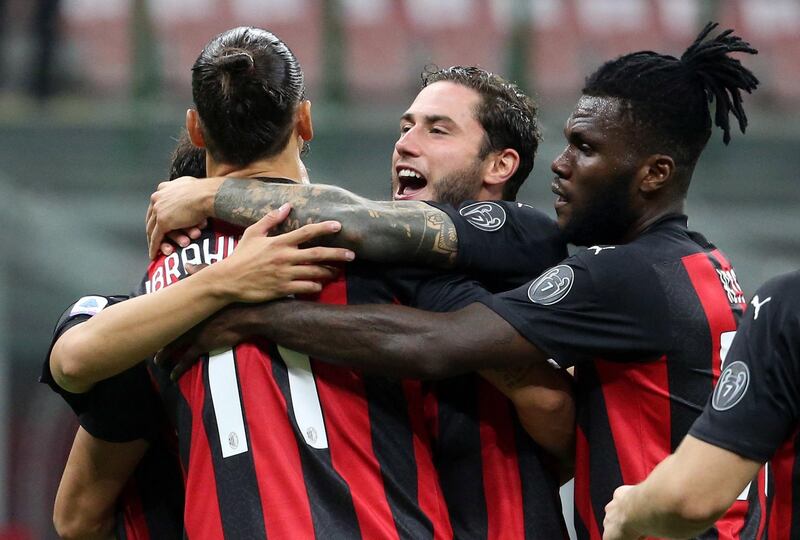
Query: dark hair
{"points": [[246, 85], [668, 98], [507, 115], [187, 159]]}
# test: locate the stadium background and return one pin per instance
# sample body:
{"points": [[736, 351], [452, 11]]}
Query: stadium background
{"points": [[93, 93]]}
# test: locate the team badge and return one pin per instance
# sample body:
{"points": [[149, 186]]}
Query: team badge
{"points": [[552, 286], [486, 216], [731, 387], [88, 305]]}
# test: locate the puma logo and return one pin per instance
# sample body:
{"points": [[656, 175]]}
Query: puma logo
{"points": [[758, 303]]}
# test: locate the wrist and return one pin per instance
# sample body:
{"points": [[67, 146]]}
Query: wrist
{"points": [[217, 284], [211, 188]]}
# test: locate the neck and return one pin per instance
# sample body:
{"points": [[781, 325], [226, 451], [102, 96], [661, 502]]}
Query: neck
{"points": [[646, 220], [287, 165]]}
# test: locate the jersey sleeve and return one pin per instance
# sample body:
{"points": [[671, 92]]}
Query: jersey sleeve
{"points": [[591, 306], [754, 407], [504, 240], [118, 409]]}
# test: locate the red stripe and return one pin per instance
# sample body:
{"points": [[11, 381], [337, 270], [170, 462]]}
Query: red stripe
{"points": [[706, 283], [274, 447], [720, 318], [762, 500], [501, 481], [430, 497], [201, 513], [133, 517], [583, 498], [432, 411], [342, 396], [782, 464], [638, 406]]}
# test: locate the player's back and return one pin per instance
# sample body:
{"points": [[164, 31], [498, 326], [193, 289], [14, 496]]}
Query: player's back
{"points": [[276, 444]]}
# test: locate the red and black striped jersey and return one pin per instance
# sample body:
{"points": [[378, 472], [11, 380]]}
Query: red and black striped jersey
{"points": [[645, 325], [310, 449], [151, 503], [276, 444], [755, 408]]}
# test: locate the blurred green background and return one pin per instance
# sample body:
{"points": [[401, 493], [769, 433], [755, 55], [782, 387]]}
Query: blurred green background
{"points": [[94, 94]]}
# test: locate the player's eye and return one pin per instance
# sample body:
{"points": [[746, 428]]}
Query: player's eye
{"points": [[405, 128], [438, 130]]}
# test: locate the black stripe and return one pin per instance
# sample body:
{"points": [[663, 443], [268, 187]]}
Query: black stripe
{"points": [[689, 371], [332, 510], [541, 504], [393, 444], [160, 487], [605, 474], [458, 457], [237, 488], [754, 512]]}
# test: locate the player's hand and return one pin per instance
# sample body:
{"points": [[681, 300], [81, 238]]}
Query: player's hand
{"points": [[614, 524], [224, 329], [263, 268], [178, 210]]}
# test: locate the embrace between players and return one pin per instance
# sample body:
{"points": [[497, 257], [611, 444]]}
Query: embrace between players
{"points": [[370, 420]]}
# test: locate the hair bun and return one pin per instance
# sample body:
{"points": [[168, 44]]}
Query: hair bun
{"points": [[236, 62]]}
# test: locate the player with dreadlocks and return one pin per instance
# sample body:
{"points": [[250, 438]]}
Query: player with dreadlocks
{"points": [[645, 314]]}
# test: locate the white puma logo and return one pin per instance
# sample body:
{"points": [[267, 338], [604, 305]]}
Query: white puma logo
{"points": [[598, 249], [757, 304]]}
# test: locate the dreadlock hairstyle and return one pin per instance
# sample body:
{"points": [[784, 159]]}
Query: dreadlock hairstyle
{"points": [[246, 85], [668, 98], [506, 114]]}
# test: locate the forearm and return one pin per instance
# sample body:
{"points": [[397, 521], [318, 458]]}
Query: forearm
{"points": [[688, 491], [411, 232], [124, 334], [394, 340], [544, 399], [93, 478]]}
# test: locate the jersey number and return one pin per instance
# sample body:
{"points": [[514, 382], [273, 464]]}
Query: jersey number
{"points": [[224, 386]]}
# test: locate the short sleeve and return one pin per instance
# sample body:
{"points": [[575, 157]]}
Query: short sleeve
{"points": [[118, 409], [588, 308], [754, 407], [504, 243]]}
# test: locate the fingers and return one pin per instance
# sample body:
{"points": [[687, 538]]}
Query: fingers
{"points": [[320, 254], [166, 248], [179, 237], [263, 225], [303, 287], [307, 233], [310, 272], [156, 239]]}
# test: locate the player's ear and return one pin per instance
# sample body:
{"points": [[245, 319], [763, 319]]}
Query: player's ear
{"points": [[304, 125], [500, 166], [656, 172], [193, 128]]}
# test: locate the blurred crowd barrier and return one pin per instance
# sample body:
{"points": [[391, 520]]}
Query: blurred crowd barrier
{"points": [[383, 43]]}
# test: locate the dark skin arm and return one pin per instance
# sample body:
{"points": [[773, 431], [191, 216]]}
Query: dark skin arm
{"points": [[387, 339], [409, 231], [405, 342]]}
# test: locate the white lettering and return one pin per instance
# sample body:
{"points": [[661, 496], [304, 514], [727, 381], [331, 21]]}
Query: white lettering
{"points": [[171, 266], [190, 255]]}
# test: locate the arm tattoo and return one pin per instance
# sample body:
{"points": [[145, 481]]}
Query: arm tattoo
{"points": [[410, 232]]}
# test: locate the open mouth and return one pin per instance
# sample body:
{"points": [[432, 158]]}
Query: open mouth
{"points": [[409, 183]]}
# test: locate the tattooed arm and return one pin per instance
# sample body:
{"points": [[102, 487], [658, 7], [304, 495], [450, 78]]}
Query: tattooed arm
{"points": [[408, 231]]}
